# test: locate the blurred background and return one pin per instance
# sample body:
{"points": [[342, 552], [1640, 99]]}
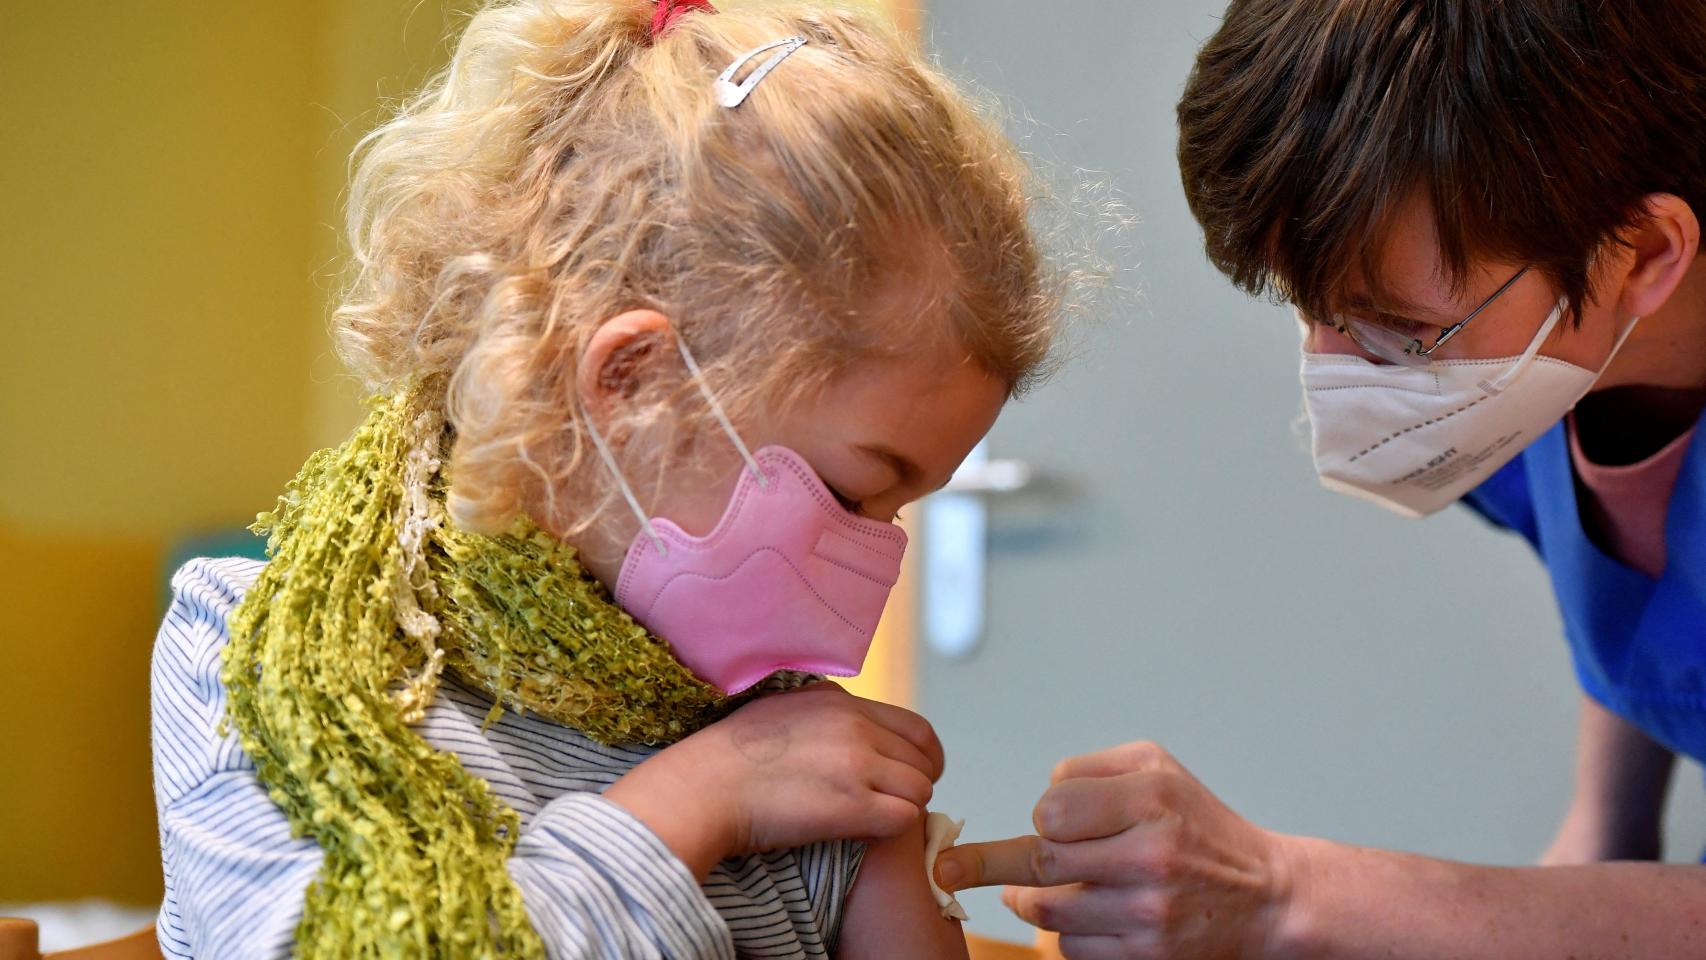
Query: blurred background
{"points": [[1166, 569], [172, 174]]}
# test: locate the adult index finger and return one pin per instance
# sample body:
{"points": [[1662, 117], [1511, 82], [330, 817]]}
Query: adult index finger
{"points": [[1025, 862], [1017, 862]]}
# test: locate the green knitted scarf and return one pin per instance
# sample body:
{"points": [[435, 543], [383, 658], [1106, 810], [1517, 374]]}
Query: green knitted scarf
{"points": [[370, 593]]}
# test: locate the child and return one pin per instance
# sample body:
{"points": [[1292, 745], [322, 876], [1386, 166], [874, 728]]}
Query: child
{"points": [[669, 314]]}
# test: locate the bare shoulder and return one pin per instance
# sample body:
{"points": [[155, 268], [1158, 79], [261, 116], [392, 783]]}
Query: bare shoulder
{"points": [[891, 911]]}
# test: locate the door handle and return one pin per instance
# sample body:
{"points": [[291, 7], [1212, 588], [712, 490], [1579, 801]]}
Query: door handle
{"points": [[956, 550], [987, 476], [954, 572]]}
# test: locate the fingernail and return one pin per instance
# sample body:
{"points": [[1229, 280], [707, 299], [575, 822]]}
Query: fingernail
{"points": [[1046, 816], [949, 873]]}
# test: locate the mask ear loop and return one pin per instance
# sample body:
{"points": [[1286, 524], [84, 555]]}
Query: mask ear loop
{"points": [[622, 483], [1617, 347], [1496, 387], [1540, 339], [718, 412]]}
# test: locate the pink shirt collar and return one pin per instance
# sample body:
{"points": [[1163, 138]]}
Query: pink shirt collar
{"points": [[1627, 505]]}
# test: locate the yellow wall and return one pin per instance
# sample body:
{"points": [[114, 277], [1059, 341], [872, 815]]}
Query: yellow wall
{"points": [[158, 211], [172, 172], [890, 673], [154, 259]]}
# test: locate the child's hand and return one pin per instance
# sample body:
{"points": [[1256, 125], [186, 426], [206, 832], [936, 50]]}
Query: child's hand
{"points": [[787, 770], [822, 764]]}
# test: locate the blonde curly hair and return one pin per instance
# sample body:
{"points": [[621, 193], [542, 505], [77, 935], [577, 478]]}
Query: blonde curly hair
{"points": [[565, 168]]}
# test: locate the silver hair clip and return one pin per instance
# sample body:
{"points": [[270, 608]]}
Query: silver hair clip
{"points": [[730, 94]]}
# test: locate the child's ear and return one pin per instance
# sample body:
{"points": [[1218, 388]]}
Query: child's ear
{"points": [[619, 356], [1664, 245]]}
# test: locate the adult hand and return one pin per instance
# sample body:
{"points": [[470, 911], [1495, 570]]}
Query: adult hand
{"points": [[1136, 859]]}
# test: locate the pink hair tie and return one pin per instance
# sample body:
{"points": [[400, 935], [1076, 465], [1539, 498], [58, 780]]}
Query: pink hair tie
{"points": [[669, 11]]}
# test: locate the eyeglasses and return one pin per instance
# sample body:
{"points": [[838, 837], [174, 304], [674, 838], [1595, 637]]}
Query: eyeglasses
{"points": [[1394, 340]]}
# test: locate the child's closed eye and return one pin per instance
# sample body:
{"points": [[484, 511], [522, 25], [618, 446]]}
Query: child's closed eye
{"points": [[857, 506], [847, 503]]}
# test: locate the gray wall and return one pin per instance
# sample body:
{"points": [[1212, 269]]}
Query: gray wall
{"points": [[1327, 668]]}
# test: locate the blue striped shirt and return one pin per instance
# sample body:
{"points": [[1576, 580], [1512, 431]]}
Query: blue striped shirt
{"points": [[595, 881]]}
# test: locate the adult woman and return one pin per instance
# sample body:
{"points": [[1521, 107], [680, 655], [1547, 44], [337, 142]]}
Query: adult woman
{"points": [[1484, 213]]}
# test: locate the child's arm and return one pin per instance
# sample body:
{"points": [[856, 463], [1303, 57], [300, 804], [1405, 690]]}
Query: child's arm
{"points": [[891, 912], [594, 881]]}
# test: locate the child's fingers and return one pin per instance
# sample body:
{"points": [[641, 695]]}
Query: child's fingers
{"points": [[911, 726], [884, 815], [892, 745], [903, 781]]}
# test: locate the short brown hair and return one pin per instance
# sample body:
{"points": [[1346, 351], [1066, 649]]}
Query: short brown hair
{"points": [[1533, 129]]}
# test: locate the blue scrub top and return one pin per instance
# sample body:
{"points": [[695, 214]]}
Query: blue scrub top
{"points": [[1639, 643]]}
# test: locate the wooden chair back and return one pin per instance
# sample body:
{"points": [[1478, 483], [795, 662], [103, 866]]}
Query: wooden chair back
{"points": [[983, 948], [20, 939]]}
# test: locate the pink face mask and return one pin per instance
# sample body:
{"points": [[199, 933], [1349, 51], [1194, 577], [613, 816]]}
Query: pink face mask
{"points": [[787, 580]]}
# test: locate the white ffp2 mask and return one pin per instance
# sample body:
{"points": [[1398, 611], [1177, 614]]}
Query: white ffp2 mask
{"points": [[1416, 439]]}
